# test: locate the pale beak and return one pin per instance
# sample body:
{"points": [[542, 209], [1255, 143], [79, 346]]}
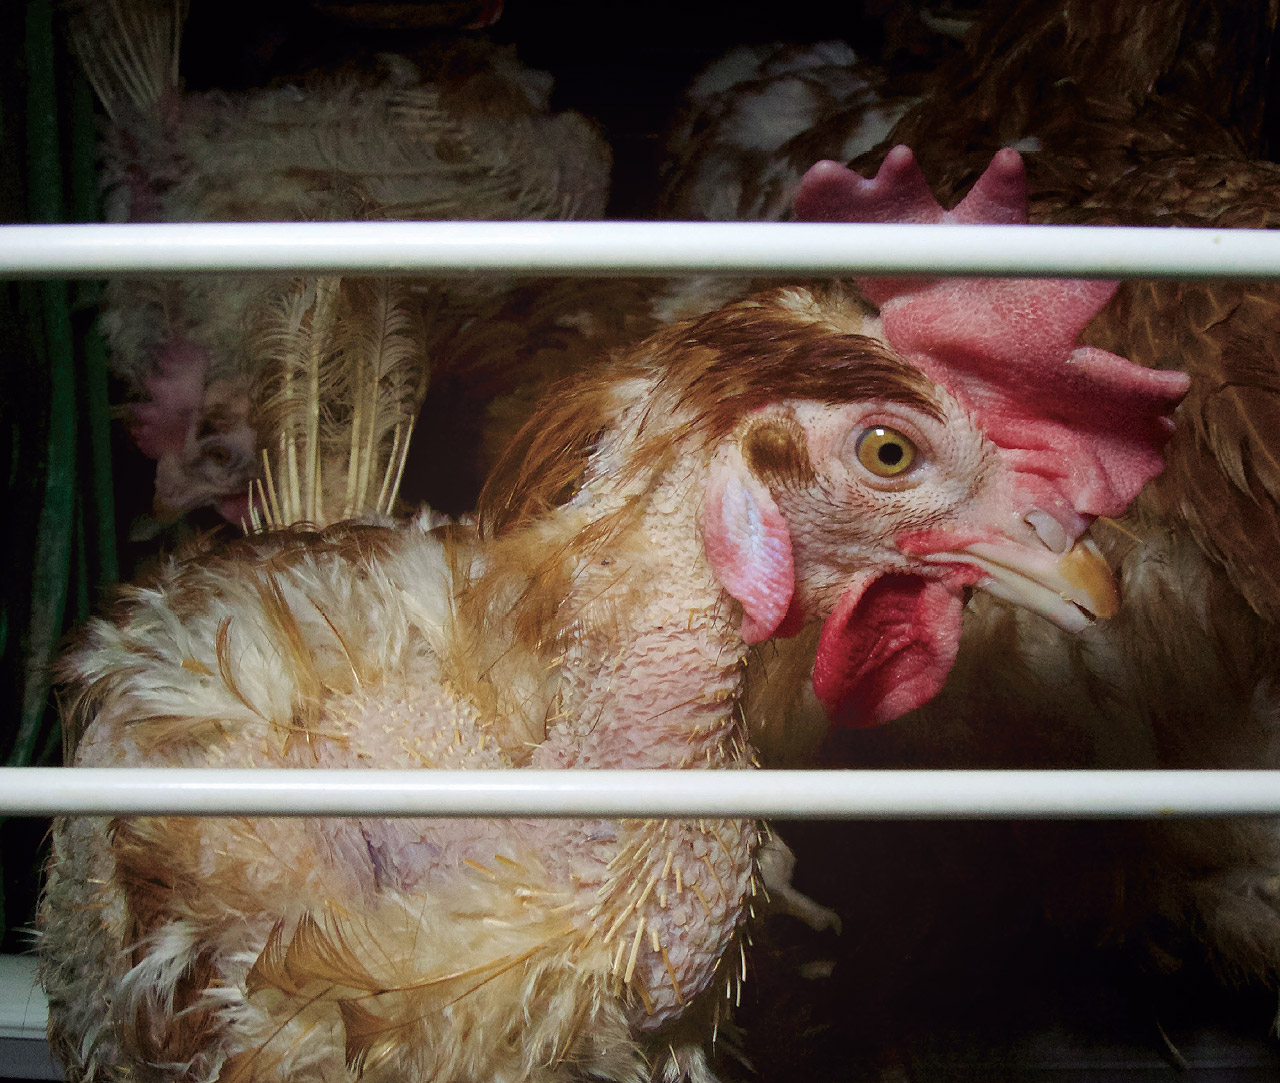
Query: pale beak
{"points": [[1072, 589]]}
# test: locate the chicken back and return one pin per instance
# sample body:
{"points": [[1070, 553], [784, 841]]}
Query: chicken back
{"points": [[786, 461]]}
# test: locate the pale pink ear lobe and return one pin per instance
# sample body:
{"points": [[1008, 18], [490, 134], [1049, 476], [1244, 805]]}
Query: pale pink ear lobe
{"points": [[747, 544]]}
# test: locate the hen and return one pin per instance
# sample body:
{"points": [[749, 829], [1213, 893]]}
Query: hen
{"points": [[459, 130], [759, 116], [789, 460]]}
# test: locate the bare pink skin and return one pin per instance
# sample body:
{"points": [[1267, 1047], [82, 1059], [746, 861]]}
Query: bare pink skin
{"points": [[199, 434], [161, 425], [748, 546]]}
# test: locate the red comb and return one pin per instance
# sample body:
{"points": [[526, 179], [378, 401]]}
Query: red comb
{"points": [[1087, 426], [831, 192]]}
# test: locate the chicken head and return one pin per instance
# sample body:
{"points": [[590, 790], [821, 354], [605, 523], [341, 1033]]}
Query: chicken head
{"points": [[876, 517]]}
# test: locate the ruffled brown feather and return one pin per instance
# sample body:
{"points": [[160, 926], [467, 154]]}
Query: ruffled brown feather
{"points": [[1222, 480]]}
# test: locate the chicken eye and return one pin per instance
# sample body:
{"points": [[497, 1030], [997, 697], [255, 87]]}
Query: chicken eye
{"points": [[885, 452]]}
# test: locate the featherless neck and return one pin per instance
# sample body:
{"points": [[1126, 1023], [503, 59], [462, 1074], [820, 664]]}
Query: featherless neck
{"points": [[652, 673]]}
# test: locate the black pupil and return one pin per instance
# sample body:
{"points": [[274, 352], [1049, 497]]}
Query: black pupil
{"points": [[890, 454]]}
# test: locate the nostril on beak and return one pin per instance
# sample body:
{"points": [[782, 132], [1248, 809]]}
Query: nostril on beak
{"points": [[1049, 530]]}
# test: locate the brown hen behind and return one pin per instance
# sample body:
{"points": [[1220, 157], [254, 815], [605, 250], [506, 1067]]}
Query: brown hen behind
{"points": [[1136, 114]]}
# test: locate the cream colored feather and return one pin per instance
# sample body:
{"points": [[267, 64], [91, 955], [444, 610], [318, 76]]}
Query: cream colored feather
{"points": [[342, 374], [128, 49]]}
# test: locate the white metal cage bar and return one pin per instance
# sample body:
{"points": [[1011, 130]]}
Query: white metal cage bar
{"points": [[634, 248], [44, 791]]}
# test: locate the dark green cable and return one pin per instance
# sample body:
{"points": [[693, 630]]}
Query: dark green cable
{"points": [[51, 561]]}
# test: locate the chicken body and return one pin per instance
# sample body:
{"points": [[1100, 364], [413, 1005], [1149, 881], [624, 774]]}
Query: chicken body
{"points": [[326, 944], [745, 142], [707, 491]]}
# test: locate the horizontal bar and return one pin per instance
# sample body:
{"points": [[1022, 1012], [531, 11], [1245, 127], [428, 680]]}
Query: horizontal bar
{"points": [[634, 248], [43, 791], [23, 1012]]}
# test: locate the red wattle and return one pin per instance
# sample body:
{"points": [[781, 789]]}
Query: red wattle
{"points": [[887, 649]]}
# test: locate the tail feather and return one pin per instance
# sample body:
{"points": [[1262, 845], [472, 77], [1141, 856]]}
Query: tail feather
{"points": [[128, 48], [345, 371]]}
